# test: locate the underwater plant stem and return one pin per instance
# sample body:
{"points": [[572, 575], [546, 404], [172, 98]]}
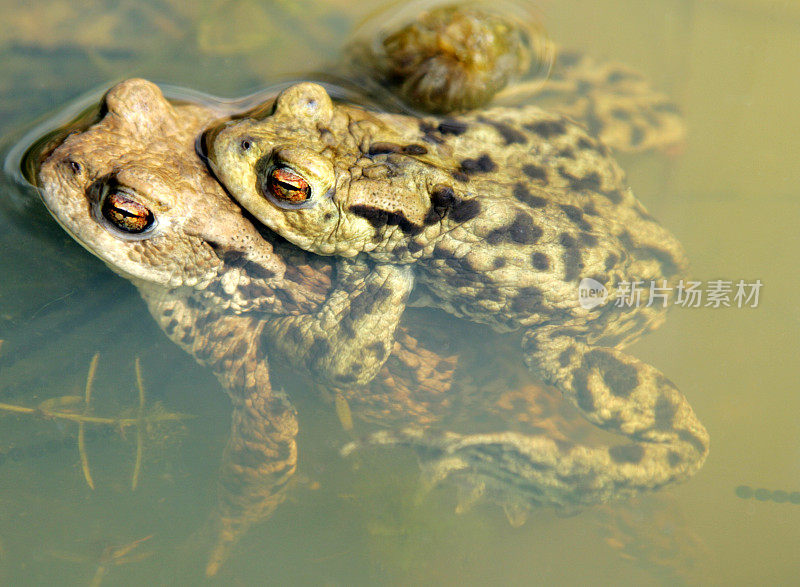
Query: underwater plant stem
{"points": [[122, 422], [87, 474], [139, 426]]}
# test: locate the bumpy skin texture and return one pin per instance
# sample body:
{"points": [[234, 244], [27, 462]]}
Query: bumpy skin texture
{"points": [[447, 59], [460, 57], [502, 213], [218, 287]]}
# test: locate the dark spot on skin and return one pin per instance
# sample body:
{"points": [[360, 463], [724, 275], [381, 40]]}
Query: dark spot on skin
{"points": [[575, 215], [587, 239], [566, 240], [523, 231], [590, 210], [668, 265], [628, 453], [431, 217], [380, 218], [254, 270], [666, 107], [637, 135], [205, 320], [699, 445], [540, 261], [167, 313], [584, 143], [510, 134], [618, 76], [620, 378], [590, 181], [347, 326], [612, 423], [444, 366], [442, 199], [498, 262], [567, 153], [523, 194], [414, 247], [611, 261], [384, 148], [234, 258], [665, 410], [327, 216], [460, 176], [188, 337], [464, 210], [440, 252], [319, 348], [566, 356], [459, 280], [620, 114], [454, 263], [527, 301], [442, 196], [238, 350], [547, 129], [378, 350], [428, 132], [569, 58], [643, 214], [674, 459], [615, 196], [535, 172], [583, 395], [490, 293], [571, 258], [451, 126], [170, 327], [415, 150], [482, 164]]}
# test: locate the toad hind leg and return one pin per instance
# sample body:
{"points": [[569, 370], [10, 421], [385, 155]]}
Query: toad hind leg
{"points": [[620, 394], [614, 391]]}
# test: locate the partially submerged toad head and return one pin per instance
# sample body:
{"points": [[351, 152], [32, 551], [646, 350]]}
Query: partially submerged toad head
{"points": [[130, 190]]}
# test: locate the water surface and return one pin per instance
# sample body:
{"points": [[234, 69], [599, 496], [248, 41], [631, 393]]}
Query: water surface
{"points": [[731, 197]]}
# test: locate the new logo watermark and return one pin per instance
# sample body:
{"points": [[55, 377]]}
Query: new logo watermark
{"points": [[591, 293]]}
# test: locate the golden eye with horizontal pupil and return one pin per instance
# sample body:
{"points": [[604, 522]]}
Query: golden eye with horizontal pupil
{"points": [[126, 214], [287, 186]]}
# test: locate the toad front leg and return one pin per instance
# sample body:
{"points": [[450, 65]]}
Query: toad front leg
{"points": [[261, 454], [350, 337]]}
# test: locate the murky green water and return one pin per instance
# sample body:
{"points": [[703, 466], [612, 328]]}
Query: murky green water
{"points": [[731, 197]]}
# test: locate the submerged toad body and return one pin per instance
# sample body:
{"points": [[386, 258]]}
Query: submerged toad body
{"points": [[502, 213]]}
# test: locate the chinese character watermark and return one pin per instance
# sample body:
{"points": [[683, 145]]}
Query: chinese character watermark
{"points": [[716, 293]]}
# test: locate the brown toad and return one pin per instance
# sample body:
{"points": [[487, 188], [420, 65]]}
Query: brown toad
{"points": [[502, 213], [129, 187]]}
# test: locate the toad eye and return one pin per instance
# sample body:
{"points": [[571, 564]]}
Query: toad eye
{"points": [[126, 213], [287, 186]]}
